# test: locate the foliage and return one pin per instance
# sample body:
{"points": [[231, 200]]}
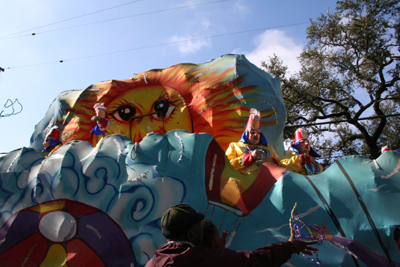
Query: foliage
{"points": [[349, 70], [390, 134]]}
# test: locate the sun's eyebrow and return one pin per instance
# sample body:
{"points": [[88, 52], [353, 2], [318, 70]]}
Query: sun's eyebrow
{"points": [[137, 104]]}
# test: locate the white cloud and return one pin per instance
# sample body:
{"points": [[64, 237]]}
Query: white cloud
{"points": [[206, 23], [191, 46], [201, 24], [276, 42], [241, 9]]}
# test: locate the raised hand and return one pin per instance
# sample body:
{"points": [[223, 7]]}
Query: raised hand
{"points": [[302, 246], [325, 231]]}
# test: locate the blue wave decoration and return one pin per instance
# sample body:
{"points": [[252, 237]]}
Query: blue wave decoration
{"points": [[355, 197]]}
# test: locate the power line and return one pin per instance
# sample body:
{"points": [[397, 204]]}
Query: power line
{"points": [[114, 19], [84, 15], [339, 121], [162, 44]]}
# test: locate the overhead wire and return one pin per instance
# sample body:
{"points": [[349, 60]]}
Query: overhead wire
{"points": [[114, 19], [149, 46], [339, 121], [76, 17], [162, 44]]}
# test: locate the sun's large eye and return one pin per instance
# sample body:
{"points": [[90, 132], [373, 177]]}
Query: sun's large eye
{"points": [[123, 113], [163, 108]]}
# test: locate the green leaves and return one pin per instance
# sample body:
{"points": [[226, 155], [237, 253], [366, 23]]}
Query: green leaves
{"points": [[349, 69]]}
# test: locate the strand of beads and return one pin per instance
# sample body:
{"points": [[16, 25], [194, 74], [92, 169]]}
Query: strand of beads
{"points": [[308, 171], [292, 224], [134, 147]]}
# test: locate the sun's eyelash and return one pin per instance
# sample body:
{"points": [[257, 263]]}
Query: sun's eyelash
{"points": [[118, 104]]}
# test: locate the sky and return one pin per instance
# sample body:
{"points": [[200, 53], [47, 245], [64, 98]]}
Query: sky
{"points": [[99, 40]]}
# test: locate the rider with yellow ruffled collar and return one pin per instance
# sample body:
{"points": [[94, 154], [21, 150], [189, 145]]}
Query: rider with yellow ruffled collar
{"points": [[252, 150], [302, 159]]}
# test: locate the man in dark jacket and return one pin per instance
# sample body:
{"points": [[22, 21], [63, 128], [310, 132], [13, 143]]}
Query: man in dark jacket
{"points": [[182, 227]]}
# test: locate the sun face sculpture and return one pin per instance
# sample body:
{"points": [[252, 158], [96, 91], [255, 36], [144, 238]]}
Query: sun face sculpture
{"points": [[136, 105], [213, 97]]}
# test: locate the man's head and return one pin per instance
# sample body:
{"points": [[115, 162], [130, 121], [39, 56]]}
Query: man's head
{"points": [[396, 236], [211, 237], [302, 144], [52, 139], [254, 137], [252, 133], [46, 143], [182, 223]]}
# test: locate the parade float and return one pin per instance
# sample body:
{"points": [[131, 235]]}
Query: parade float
{"points": [[130, 149]]}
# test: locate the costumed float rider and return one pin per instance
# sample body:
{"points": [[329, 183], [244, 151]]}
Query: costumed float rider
{"points": [[51, 141], [101, 119], [103, 125], [252, 150], [385, 149], [302, 159]]}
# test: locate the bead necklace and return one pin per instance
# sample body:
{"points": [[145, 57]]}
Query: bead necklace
{"points": [[264, 151], [134, 147], [308, 170], [292, 224]]}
